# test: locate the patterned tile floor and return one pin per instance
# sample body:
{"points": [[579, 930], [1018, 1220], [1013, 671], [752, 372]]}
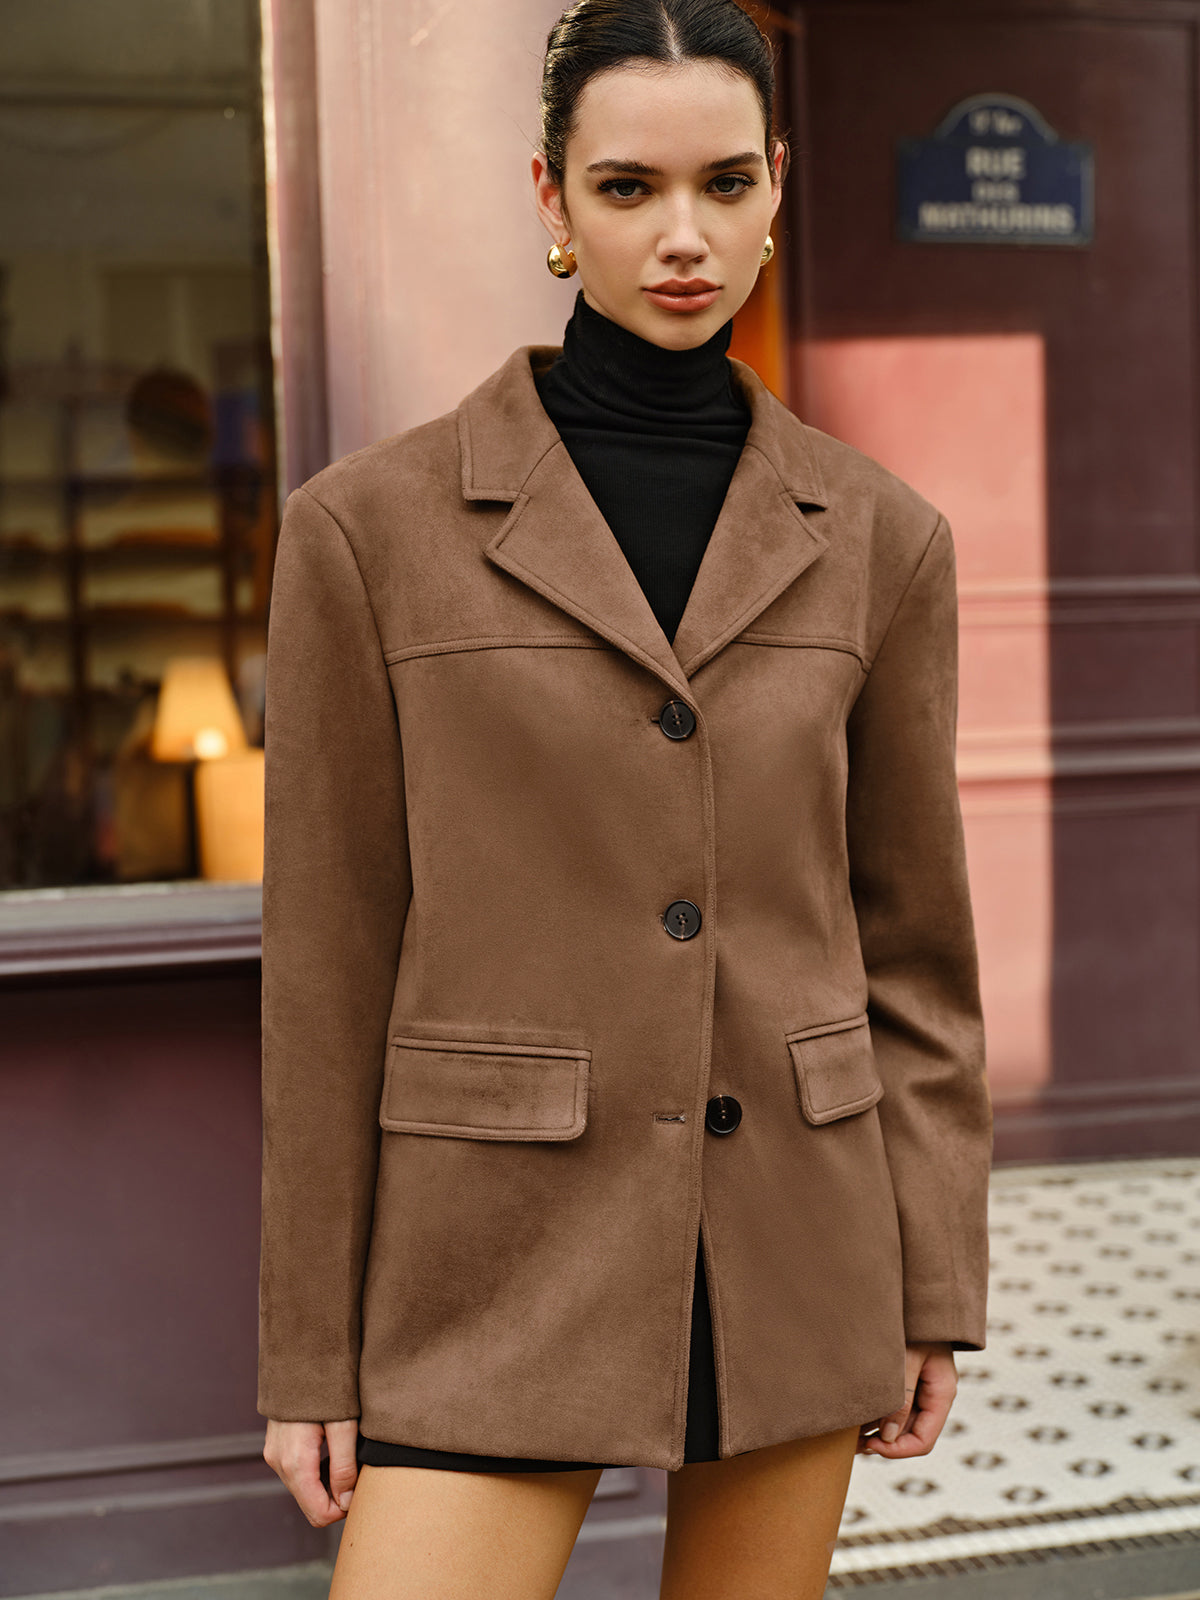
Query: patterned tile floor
{"points": [[1079, 1426]]}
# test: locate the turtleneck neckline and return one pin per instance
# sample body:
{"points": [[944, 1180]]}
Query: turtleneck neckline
{"points": [[656, 436], [633, 377]]}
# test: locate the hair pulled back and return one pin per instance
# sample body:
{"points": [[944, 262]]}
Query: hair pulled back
{"points": [[594, 36]]}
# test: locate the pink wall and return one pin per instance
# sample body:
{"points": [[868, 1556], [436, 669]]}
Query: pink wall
{"points": [[434, 258], [962, 418]]}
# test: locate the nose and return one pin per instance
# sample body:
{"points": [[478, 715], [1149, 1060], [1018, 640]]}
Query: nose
{"points": [[682, 238]]}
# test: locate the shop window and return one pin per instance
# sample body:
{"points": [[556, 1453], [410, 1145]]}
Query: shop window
{"points": [[137, 465]]}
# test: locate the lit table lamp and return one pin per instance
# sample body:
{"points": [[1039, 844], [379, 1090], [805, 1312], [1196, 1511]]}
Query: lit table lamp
{"points": [[198, 720]]}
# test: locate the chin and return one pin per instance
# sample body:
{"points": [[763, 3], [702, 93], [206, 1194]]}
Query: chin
{"points": [[683, 338], [672, 330], [683, 333], [679, 330]]}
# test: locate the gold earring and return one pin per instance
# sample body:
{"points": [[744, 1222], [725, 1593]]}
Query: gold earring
{"points": [[768, 251], [561, 263]]}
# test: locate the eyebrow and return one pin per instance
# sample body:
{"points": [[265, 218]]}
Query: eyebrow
{"points": [[746, 159]]}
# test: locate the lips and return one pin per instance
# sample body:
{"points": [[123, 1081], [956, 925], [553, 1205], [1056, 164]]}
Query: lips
{"points": [[682, 286], [684, 296]]}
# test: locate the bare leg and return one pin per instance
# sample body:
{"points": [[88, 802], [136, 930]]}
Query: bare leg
{"points": [[417, 1533], [760, 1526]]}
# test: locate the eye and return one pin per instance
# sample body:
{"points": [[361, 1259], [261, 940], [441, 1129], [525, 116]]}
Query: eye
{"points": [[739, 178], [611, 186]]}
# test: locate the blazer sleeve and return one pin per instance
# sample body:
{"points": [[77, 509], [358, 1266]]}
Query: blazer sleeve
{"points": [[908, 878], [336, 890]]}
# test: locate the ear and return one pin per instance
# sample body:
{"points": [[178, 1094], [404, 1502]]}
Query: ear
{"points": [[548, 199], [777, 160]]}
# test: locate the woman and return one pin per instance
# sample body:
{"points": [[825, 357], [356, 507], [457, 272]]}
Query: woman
{"points": [[623, 1063]]}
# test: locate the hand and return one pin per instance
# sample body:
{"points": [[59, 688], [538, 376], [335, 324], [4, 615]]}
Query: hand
{"points": [[931, 1382], [293, 1450]]}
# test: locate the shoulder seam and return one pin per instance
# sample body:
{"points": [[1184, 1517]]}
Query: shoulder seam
{"points": [[308, 494], [938, 525]]}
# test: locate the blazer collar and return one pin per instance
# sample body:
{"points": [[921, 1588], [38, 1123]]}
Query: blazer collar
{"points": [[556, 541]]}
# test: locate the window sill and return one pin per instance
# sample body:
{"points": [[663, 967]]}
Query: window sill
{"points": [[119, 927]]}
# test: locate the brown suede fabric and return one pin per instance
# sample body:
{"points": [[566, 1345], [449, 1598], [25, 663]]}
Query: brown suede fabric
{"points": [[486, 1061]]}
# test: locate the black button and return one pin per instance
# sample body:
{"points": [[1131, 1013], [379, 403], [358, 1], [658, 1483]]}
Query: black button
{"points": [[723, 1113], [677, 719], [682, 919]]}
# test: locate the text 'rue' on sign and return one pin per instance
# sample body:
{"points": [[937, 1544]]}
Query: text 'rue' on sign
{"points": [[994, 172]]}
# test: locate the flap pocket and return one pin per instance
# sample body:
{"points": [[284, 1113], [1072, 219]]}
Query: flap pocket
{"points": [[467, 1090], [835, 1068]]}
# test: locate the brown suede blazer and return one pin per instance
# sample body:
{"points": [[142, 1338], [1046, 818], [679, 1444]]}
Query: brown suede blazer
{"points": [[487, 1057]]}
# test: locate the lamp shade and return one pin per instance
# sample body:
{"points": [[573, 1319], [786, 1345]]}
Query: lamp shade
{"points": [[197, 716]]}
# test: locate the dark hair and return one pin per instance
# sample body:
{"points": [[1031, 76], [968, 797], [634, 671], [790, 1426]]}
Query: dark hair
{"points": [[594, 36]]}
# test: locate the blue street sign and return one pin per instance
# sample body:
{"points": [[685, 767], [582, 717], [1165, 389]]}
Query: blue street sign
{"points": [[994, 172]]}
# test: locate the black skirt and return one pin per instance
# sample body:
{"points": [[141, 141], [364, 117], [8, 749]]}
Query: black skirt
{"points": [[700, 1441]]}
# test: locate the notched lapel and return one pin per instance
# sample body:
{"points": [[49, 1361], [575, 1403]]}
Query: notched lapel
{"points": [[556, 540], [761, 542]]}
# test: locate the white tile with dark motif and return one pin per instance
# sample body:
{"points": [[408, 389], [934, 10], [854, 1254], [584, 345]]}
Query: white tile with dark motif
{"points": [[1080, 1422]]}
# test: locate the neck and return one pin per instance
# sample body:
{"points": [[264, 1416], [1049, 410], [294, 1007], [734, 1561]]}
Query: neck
{"points": [[626, 373]]}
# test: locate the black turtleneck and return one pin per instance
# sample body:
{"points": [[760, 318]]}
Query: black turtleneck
{"points": [[655, 435]]}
